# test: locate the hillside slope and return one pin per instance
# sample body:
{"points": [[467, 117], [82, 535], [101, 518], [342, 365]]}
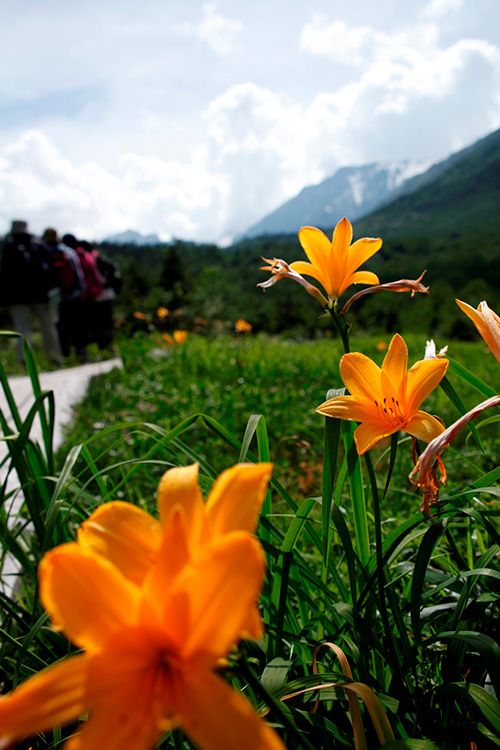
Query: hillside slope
{"points": [[351, 191], [460, 194]]}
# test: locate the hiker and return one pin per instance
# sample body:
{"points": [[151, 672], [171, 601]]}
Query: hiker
{"points": [[104, 323], [71, 286], [27, 286]]}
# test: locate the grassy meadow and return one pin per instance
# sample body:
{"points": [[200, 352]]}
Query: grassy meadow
{"points": [[379, 618], [229, 379]]}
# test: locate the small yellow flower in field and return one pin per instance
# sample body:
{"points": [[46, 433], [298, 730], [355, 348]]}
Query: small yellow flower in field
{"points": [[387, 399], [168, 339], [242, 326], [381, 346], [334, 263], [140, 315], [487, 323], [162, 313], [180, 336], [152, 641]]}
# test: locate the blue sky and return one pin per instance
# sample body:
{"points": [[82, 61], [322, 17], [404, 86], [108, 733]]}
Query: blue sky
{"points": [[194, 119]]}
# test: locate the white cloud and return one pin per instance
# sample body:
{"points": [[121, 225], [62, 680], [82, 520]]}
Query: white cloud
{"points": [[438, 8], [399, 68], [336, 41], [217, 31], [202, 135], [150, 194]]}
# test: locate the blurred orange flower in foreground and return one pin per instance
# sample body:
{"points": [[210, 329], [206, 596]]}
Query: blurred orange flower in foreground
{"points": [[242, 326], [487, 323], [153, 626], [387, 399]]}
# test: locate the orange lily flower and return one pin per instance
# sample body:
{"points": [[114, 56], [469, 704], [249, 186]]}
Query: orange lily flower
{"points": [[180, 336], [487, 323], [387, 399], [131, 539], [162, 312], [243, 326], [152, 638], [334, 264]]}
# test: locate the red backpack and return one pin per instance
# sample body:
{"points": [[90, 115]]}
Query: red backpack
{"points": [[94, 283]]}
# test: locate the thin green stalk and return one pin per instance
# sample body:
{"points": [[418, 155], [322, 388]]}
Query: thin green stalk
{"points": [[360, 515], [342, 327]]}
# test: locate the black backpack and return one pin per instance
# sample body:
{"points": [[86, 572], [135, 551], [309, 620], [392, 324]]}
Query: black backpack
{"points": [[110, 273]]}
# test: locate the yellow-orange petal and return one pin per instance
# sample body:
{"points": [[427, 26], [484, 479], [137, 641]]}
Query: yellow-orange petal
{"points": [[215, 716], [307, 269], [173, 555], [49, 699], [255, 627], [318, 249], [368, 434], [339, 258], [130, 715], [86, 596], [360, 251], [423, 377], [363, 277], [179, 486], [347, 407], [213, 598], [395, 364], [361, 376], [487, 323], [237, 496], [125, 535], [424, 426]]}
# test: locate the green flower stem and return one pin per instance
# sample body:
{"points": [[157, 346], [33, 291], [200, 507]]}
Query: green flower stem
{"points": [[342, 327]]}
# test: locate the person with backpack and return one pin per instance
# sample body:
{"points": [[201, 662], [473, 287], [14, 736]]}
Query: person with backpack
{"points": [[27, 286], [104, 320], [70, 282], [93, 287]]}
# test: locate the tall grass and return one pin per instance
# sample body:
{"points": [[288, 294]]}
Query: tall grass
{"points": [[380, 620]]}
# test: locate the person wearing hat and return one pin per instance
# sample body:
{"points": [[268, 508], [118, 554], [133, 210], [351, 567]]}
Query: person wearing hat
{"points": [[26, 285]]}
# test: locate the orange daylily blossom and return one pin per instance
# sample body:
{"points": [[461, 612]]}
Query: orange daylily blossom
{"points": [[334, 264], [487, 323], [425, 472], [387, 399], [150, 650], [177, 337], [151, 645], [242, 326], [162, 312], [180, 336], [131, 539]]}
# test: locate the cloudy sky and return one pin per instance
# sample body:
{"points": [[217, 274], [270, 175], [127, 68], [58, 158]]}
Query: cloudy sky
{"points": [[194, 119]]}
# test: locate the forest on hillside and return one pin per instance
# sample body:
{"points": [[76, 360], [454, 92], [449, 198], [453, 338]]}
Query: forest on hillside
{"points": [[208, 287]]}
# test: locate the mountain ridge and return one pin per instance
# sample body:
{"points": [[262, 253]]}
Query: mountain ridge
{"points": [[352, 190]]}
